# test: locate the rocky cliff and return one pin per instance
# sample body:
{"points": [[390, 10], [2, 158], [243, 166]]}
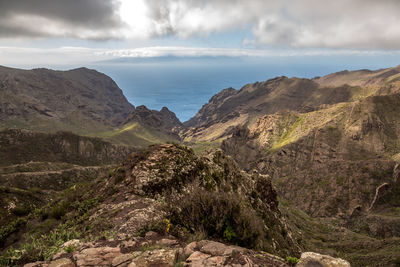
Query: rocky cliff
{"points": [[22, 146], [53, 97], [83, 101], [344, 155], [231, 108]]}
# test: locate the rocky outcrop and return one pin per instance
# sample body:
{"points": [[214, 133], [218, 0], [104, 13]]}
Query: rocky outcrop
{"points": [[47, 95], [81, 101], [154, 251], [382, 81], [341, 154], [173, 195], [22, 146], [174, 174], [163, 120], [53, 180], [231, 108], [309, 259]]}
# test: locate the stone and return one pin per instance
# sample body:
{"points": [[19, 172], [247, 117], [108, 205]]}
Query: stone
{"points": [[91, 251], [58, 255], [312, 259], [215, 261], [128, 244], [91, 261], [197, 256], [62, 263], [111, 250], [190, 248], [151, 235], [117, 261], [37, 264], [216, 249], [70, 243], [167, 242], [157, 257]]}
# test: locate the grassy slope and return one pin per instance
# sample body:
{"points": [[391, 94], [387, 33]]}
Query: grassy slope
{"points": [[324, 236], [133, 134]]}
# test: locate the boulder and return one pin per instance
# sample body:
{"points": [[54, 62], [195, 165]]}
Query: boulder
{"points": [[312, 259]]}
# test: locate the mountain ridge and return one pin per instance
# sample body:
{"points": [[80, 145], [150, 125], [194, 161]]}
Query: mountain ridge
{"points": [[80, 100]]}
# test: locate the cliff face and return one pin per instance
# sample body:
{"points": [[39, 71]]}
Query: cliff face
{"points": [[82, 101], [231, 108], [79, 95], [340, 161], [331, 145], [163, 120], [22, 146]]}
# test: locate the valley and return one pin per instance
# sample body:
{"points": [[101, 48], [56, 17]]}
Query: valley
{"points": [[272, 170]]}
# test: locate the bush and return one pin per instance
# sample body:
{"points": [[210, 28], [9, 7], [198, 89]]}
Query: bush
{"points": [[38, 248], [292, 260], [220, 216], [58, 211], [11, 228], [20, 211]]}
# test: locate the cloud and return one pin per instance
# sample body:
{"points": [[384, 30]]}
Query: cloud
{"points": [[344, 24], [356, 24], [86, 19], [34, 57], [25, 56], [177, 51]]}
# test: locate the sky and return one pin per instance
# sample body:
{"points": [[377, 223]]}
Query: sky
{"points": [[73, 32]]}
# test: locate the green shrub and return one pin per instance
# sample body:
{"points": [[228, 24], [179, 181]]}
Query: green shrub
{"points": [[11, 228], [229, 233], [20, 211], [292, 260], [219, 216], [58, 211], [70, 249], [38, 248]]}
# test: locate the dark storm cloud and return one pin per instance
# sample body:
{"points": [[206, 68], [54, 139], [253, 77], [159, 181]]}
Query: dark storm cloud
{"points": [[96, 19]]}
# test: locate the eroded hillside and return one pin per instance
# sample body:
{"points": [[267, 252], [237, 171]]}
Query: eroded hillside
{"points": [[82, 101], [168, 189]]}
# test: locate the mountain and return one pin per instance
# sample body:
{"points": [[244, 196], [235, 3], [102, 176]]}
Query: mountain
{"points": [[325, 151], [303, 165], [164, 120], [383, 81], [22, 146], [82, 101], [331, 145], [311, 131], [60, 97], [230, 108]]}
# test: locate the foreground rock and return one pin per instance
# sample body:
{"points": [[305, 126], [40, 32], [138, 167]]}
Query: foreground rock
{"points": [[310, 259], [149, 251]]}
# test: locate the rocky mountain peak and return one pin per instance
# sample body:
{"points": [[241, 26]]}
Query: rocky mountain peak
{"points": [[45, 95]]}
